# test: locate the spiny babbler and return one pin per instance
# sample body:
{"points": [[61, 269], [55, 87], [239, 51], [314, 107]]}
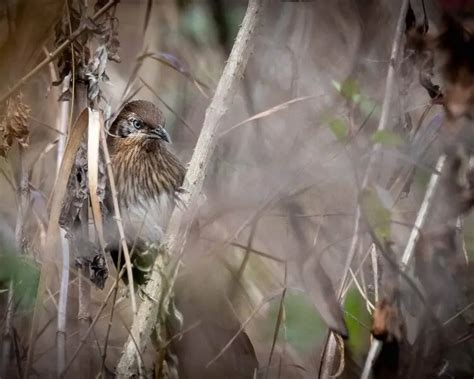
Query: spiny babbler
{"points": [[148, 177]]}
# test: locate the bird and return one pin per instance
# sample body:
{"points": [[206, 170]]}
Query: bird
{"points": [[148, 176], [149, 179]]}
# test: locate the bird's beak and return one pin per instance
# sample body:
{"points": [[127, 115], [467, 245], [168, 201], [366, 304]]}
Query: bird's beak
{"points": [[161, 133]]}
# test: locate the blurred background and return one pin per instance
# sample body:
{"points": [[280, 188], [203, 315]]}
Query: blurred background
{"points": [[280, 196]]}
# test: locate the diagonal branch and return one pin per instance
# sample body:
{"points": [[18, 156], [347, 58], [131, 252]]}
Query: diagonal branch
{"points": [[182, 217]]}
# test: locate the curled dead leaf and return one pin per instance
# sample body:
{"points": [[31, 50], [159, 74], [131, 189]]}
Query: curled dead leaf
{"points": [[387, 324], [14, 124]]}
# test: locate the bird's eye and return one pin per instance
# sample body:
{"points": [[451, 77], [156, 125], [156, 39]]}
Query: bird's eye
{"points": [[137, 124]]}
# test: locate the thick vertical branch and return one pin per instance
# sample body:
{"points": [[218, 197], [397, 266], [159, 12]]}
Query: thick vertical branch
{"points": [[62, 126], [84, 287], [181, 218]]}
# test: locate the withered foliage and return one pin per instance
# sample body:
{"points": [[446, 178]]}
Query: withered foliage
{"points": [[14, 124], [82, 67], [74, 215], [455, 46], [88, 67], [387, 325], [426, 317], [418, 56], [441, 298]]}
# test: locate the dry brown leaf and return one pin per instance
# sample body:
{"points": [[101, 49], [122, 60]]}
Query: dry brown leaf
{"points": [[95, 123], [387, 322], [14, 125]]}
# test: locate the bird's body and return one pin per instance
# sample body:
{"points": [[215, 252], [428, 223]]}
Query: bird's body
{"points": [[147, 177], [147, 174]]}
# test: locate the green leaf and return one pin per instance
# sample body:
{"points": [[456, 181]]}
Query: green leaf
{"points": [[349, 89], [339, 128], [377, 215], [23, 272], [386, 138], [304, 327], [355, 314]]}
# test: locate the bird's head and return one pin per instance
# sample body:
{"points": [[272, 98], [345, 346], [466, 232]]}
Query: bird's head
{"points": [[140, 119]]}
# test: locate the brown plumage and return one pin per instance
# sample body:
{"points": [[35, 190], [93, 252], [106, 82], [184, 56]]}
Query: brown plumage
{"points": [[143, 166], [148, 176]]}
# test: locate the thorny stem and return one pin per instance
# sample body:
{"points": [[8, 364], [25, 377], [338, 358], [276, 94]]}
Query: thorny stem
{"points": [[181, 218], [330, 351]]}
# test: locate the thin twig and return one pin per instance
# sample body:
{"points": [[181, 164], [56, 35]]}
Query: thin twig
{"points": [[363, 294], [375, 270], [109, 326], [23, 201], [423, 212], [118, 220], [178, 116], [59, 191], [243, 326], [359, 268], [87, 332], [375, 348], [279, 321], [119, 273], [243, 265]]}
